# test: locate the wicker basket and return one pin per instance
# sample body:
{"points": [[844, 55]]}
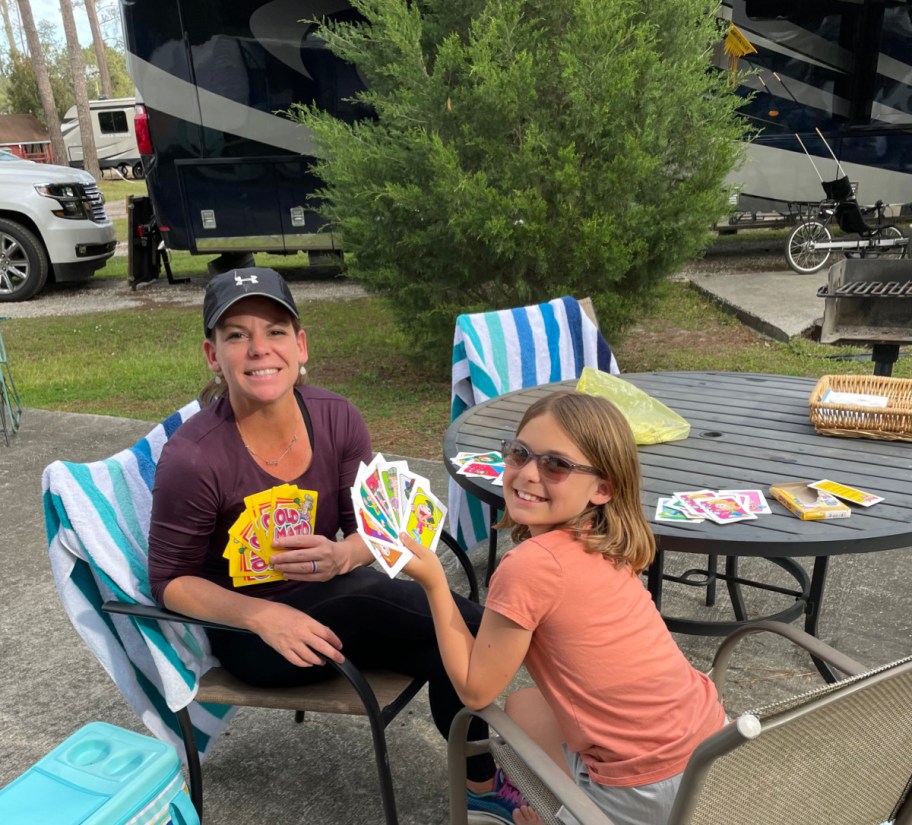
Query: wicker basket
{"points": [[890, 423]]}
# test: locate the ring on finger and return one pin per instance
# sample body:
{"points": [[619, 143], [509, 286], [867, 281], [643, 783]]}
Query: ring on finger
{"points": [[313, 563]]}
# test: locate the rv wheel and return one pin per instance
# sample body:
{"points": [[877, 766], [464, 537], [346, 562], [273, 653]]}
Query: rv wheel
{"points": [[138, 171], [124, 169]]}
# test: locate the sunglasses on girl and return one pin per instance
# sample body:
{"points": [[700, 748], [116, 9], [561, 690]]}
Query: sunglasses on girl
{"points": [[552, 467]]}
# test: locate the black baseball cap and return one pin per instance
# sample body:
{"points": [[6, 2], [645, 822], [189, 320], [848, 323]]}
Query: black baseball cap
{"points": [[227, 288]]}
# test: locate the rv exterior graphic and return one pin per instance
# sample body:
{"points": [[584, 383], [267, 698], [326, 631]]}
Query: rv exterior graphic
{"points": [[843, 67], [226, 171], [112, 128]]}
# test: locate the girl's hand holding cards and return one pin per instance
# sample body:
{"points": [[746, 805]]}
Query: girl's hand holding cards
{"points": [[389, 499]]}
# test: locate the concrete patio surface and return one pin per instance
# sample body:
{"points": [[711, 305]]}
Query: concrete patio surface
{"points": [[266, 768]]}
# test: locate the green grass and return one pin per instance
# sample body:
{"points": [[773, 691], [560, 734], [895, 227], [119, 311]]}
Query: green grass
{"points": [[145, 363], [120, 190]]}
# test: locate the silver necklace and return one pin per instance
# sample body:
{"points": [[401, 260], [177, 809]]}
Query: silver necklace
{"points": [[274, 462]]}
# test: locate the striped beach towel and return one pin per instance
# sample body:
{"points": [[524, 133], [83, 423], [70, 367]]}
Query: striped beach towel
{"points": [[97, 521], [511, 349]]}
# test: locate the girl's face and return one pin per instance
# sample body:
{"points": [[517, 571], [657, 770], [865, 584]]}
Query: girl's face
{"points": [[544, 505], [257, 350]]}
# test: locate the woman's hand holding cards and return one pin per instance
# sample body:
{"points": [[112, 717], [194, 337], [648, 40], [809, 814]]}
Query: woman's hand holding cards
{"points": [[310, 558]]}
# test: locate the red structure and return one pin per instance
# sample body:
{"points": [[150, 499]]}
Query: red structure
{"points": [[24, 136]]}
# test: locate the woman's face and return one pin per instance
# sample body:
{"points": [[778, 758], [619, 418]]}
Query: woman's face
{"points": [[544, 505], [257, 350]]}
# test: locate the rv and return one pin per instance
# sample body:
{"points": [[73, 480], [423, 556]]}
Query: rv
{"points": [[115, 139], [227, 172], [839, 66]]}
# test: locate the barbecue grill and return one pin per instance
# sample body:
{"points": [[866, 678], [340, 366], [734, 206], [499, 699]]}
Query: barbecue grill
{"points": [[869, 301]]}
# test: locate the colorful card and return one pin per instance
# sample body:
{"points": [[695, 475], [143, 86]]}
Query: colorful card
{"points": [[754, 500], [270, 514], [390, 499], [725, 509], [690, 501], [425, 517], [667, 511], [483, 465], [850, 494]]}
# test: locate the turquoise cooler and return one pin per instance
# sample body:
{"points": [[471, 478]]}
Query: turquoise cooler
{"points": [[101, 775]]}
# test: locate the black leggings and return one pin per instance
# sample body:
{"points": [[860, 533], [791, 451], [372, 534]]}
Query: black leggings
{"points": [[383, 623]]}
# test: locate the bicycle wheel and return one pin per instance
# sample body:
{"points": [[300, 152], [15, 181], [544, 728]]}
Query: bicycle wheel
{"points": [[891, 251], [800, 248]]}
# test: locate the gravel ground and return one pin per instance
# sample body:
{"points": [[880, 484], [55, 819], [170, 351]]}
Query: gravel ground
{"points": [[729, 254], [106, 294]]}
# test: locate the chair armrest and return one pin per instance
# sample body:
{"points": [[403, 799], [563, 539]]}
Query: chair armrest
{"points": [[549, 774], [162, 614], [817, 649]]}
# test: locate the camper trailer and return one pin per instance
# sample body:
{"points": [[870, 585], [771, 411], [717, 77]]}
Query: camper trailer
{"points": [[115, 138], [839, 66], [228, 173]]}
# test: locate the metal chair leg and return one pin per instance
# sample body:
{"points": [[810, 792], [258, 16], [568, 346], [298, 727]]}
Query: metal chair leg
{"points": [[193, 761], [492, 544]]}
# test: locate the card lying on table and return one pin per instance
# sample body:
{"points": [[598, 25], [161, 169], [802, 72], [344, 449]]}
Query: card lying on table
{"points": [[390, 499], [850, 494]]}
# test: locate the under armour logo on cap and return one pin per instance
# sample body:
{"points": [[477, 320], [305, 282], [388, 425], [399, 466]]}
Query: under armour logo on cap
{"points": [[226, 289]]}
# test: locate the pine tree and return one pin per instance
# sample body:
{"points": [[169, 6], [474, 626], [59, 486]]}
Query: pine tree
{"points": [[523, 150]]}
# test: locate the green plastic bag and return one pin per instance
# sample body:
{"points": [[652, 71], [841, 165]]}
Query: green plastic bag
{"points": [[651, 421]]}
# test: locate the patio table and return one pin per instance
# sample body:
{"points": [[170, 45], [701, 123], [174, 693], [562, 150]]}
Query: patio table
{"points": [[748, 431]]}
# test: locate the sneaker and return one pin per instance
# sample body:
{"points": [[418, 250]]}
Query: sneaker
{"points": [[498, 804]]}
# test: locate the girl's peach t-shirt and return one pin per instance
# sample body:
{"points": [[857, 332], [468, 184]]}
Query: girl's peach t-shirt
{"points": [[626, 698]]}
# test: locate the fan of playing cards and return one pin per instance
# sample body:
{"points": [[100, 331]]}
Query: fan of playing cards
{"points": [[390, 499], [270, 514]]}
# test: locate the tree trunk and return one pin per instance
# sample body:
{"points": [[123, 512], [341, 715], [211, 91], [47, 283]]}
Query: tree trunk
{"points": [[44, 83], [77, 67], [100, 56], [8, 26]]}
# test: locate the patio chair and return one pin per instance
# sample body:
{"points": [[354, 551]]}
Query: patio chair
{"points": [[511, 349], [840, 755], [97, 519], [10, 403]]}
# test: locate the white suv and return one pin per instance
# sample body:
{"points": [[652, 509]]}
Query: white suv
{"points": [[52, 224]]}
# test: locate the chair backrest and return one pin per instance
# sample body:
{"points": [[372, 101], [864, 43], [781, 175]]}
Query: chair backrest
{"points": [[97, 521], [838, 190], [511, 349], [840, 755]]}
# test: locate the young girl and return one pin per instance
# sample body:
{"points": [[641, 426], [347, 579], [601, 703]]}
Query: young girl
{"points": [[615, 702]]}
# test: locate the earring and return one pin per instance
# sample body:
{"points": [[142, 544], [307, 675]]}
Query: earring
{"points": [[217, 379], [303, 370]]}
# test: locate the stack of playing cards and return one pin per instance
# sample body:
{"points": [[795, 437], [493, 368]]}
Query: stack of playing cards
{"points": [[390, 499], [720, 506], [282, 511], [486, 465]]}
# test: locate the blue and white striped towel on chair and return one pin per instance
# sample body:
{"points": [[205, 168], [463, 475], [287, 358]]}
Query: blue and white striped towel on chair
{"points": [[511, 349], [97, 520]]}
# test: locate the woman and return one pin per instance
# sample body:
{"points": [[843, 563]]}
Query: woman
{"points": [[266, 428]]}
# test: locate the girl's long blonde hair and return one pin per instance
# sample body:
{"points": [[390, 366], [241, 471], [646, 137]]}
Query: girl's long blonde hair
{"points": [[618, 530]]}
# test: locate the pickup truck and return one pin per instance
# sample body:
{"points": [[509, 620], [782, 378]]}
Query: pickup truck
{"points": [[53, 226]]}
